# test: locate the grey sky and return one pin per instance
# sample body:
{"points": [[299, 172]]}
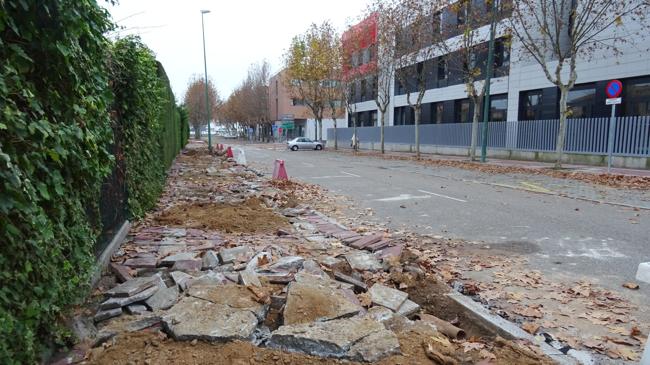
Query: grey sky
{"points": [[238, 33]]}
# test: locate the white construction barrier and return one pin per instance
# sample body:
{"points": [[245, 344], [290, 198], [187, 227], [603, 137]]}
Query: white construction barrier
{"points": [[240, 156], [643, 273]]}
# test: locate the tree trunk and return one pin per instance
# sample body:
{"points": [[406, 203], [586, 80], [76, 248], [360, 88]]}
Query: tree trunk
{"points": [[475, 117], [336, 143], [561, 133], [320, 129], [355, 147], [316, 129], [197, 132], [381, 130], [417, 131]]}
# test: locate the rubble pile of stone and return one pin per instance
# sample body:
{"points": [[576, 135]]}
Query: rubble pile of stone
{"points": [[198, 285]]}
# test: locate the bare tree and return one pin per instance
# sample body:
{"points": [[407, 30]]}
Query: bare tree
{"points": [[557, 33], [194, 101], [377, 32], [465, 48], [415, 42]]}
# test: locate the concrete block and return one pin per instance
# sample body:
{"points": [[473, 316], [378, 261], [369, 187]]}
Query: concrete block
{"points": [[643, 272]]}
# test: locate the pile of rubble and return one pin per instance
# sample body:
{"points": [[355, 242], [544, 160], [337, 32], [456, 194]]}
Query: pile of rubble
{"points": [[312, 287]]}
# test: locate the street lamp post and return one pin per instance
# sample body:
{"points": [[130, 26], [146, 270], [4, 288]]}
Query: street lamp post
{"points": [[205, 66], [488, 80]]}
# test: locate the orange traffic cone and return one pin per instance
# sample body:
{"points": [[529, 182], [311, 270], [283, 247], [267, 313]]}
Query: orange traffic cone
{"points": [[279, 171]]}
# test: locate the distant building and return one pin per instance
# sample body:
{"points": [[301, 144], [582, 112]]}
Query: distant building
{"points": [[292, 113], [520, 91]]}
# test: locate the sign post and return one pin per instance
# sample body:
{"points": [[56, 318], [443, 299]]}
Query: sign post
{"points": [[613, 90]]}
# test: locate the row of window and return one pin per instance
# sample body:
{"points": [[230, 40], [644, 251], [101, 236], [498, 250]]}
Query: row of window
{"points": [[586, 101], [449, 69], [452, 20], [363, 56], [452, 111]]}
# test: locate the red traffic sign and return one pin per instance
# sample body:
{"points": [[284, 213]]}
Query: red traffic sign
{"points": [[614, 89]]}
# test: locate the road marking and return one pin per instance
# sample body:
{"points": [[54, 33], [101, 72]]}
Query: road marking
{"points": [[330, 177], [307, 164], [443, 196], [402, 197], [347, 173], [535, 187]]}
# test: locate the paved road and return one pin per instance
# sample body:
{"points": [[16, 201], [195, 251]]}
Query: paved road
{"points": [[560, 235]]}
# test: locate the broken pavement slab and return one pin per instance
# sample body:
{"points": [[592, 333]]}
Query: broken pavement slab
{"points": [[163, 298], [363, 261], [118, 302], [350, 280], [197, 319], [387, 297], [133, 286], [233, 296], [335, 338], [106, 314], [249, 278], [313, 300], [288, 263], [235, 254], [408, 308], [375, 347], [171, 260], [209, 260]]}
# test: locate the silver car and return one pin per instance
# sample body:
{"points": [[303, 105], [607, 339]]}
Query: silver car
{"points": [[303, 143]]}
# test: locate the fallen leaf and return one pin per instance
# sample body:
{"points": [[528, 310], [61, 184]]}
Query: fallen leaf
{"points": [[528, 312], [485, 354], [635, 331], [530, 327], [633, 286], [471, 346]]}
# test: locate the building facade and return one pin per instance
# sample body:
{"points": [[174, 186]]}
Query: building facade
{"points": [[291, 117], [519, 89]]}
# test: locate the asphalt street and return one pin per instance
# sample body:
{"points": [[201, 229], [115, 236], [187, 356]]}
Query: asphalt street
{"points": [[568, 237]]}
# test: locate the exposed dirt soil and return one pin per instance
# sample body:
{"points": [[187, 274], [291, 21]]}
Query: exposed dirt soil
{"points": [[155, 348], [248, 217]]}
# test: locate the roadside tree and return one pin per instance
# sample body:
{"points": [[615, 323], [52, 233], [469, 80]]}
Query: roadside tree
{"points": [[557, 33]]}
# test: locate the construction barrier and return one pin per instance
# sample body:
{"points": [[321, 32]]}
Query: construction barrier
{"points": [[279, 171], [229, 152], [240, 157]]}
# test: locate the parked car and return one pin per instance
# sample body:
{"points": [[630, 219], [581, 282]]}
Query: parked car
{"points": [[302, 143]]}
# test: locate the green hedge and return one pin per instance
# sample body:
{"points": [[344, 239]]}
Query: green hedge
{"points": [[53, 129], [59, 77]]}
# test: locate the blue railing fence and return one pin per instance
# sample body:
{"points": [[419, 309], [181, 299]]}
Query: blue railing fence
{"points": [[584, 135]]}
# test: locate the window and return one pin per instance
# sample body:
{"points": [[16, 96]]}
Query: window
{"points": [[498, 108], [365, 56], [442, 70], [297, 102], [363, 90], [462, 111], [461, 16], [530, 105], [373, 118], [637, 97], [404, 115], [501, 57], [435, 22], [581, 100], [436, 112], [355, 59]]}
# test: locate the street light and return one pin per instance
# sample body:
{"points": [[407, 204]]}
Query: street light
{"points": [[488, 80], [205, 65]]}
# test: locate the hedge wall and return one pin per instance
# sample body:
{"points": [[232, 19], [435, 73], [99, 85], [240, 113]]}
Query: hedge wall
{"points": [[60, 82]]}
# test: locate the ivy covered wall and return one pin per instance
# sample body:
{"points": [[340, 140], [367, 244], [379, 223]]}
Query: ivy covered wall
{"points": [[63, 86]]}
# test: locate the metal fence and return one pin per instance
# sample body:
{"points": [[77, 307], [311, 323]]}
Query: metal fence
{"points": [[585, 136]]}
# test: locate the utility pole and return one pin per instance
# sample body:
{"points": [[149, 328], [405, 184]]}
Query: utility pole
{"points": [[205, 65], [488, 79]]}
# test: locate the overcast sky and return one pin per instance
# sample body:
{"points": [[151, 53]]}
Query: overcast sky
{"points": [[237, 32]]}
